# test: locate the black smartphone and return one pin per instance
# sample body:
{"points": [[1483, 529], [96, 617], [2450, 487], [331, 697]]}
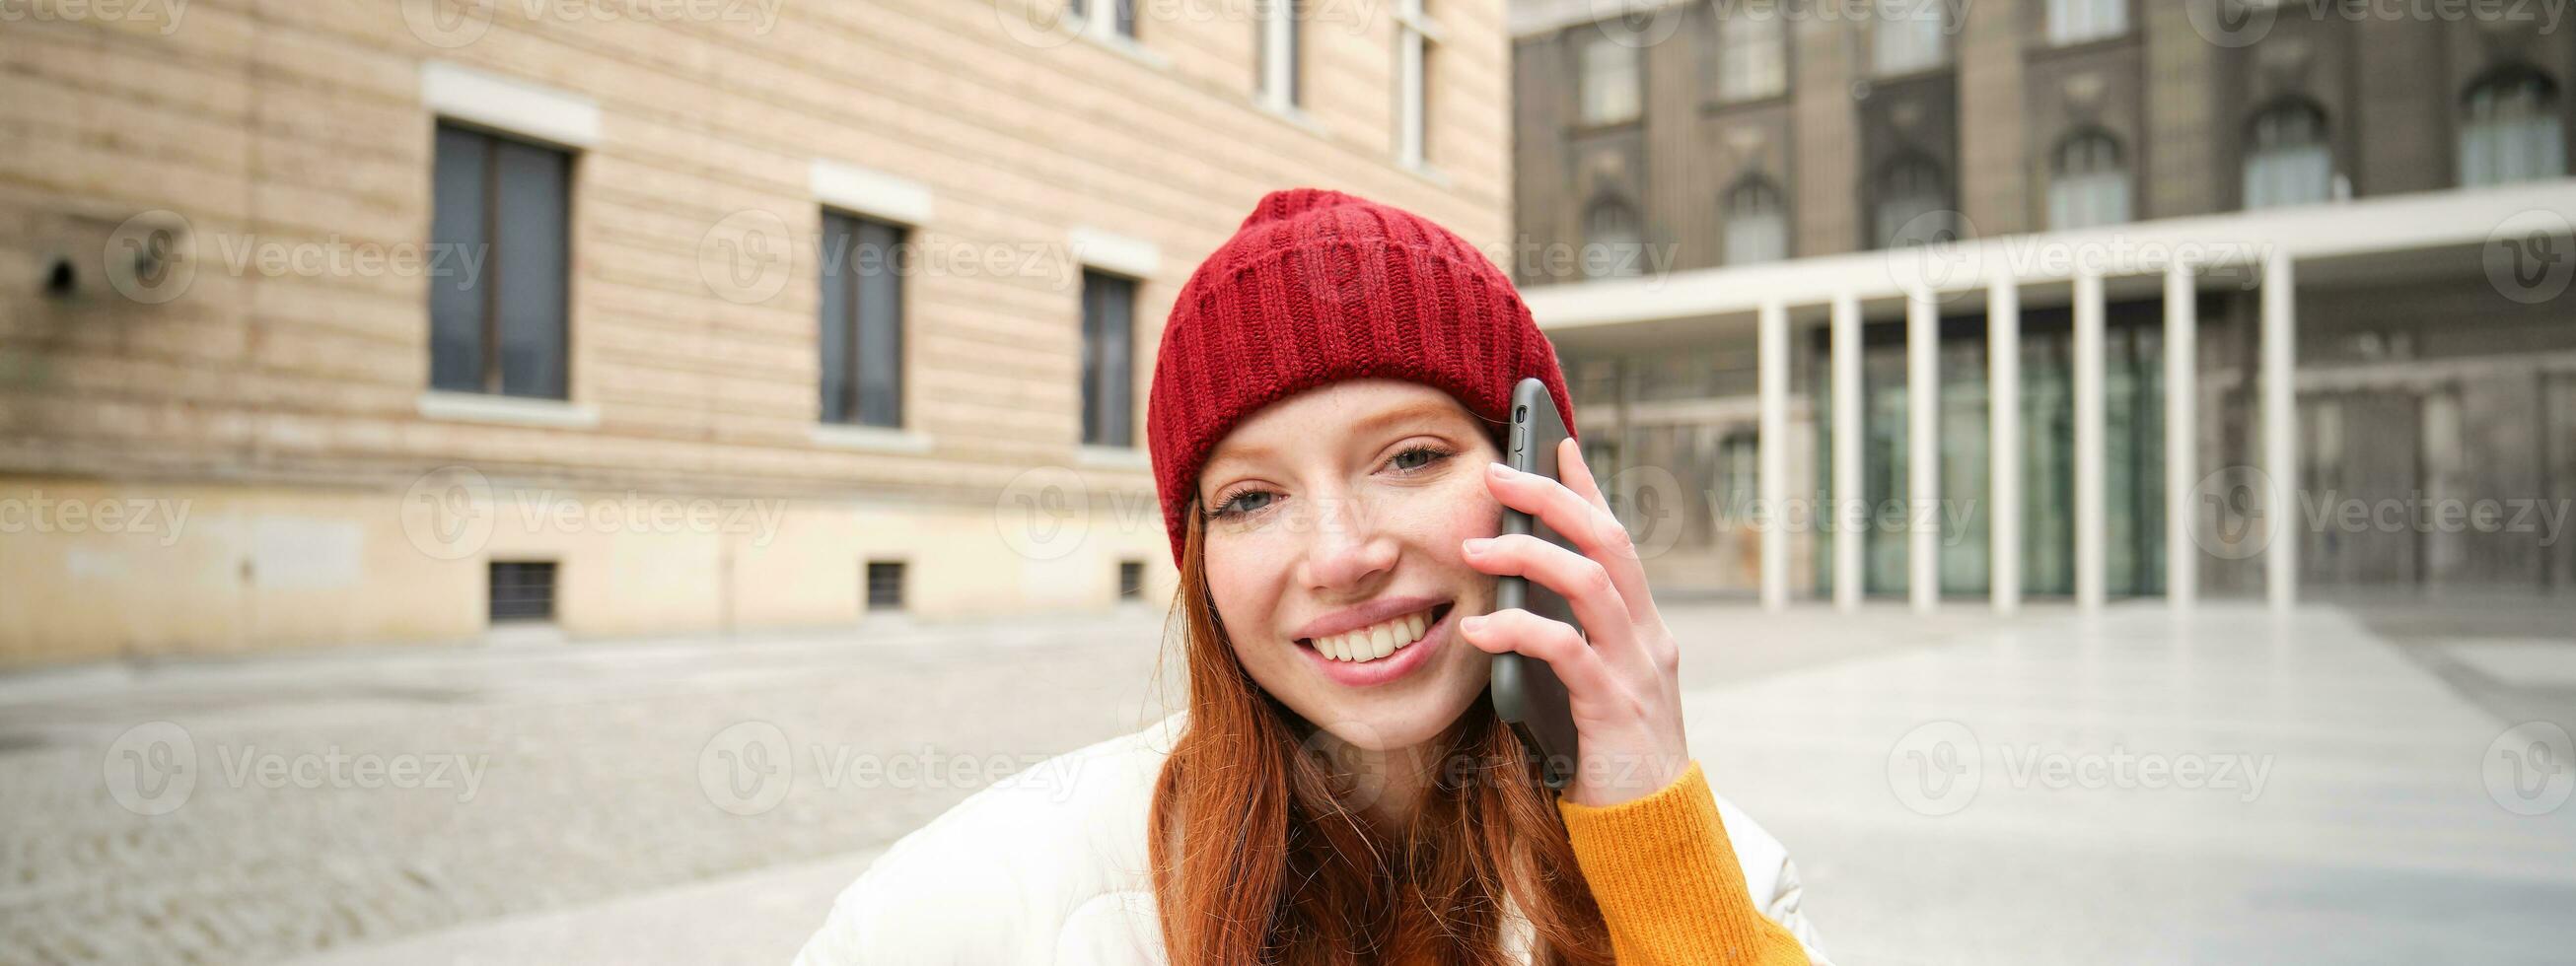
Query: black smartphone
{"points": [[1527, 693]]}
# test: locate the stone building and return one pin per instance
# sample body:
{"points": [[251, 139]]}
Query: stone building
{"points": [[431, 320], [2225, 256]]}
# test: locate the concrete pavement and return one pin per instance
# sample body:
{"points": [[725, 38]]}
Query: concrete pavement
{"points": [[2229, 786]]}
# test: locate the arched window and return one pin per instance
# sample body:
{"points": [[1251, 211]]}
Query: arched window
{"points": [[2077, 21], [1614, 241], [1912, 204], [2509, 130], [1909, 36], [2287, 161], [1611, 90], [1757, 223], [2088, 182], [1751, 52]]}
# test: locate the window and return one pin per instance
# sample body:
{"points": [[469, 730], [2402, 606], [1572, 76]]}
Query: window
{"points": [[505, 204], [1913, 204], [1614, 241], [1131, 580], [862, 321], [1909, 36], [1611, 88], [885, 585], [1275, 51], [2509, 131], [1751, 54], [521, 591], [2076, 21], [1414, 33], [1757, 223], [2088, 182], [1121, 20], [1108, 386], [2287, 161]]}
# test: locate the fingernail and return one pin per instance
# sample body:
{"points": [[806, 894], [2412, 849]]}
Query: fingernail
{"points": [[1499, 469], [1474, 624], [1479, 544]]}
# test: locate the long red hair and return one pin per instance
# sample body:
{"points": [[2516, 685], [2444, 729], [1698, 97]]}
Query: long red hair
{"points": [[1258, 860]]}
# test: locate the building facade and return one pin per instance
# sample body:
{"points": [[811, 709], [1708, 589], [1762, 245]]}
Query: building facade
{"points": [[428, 321], [2221, 258]]}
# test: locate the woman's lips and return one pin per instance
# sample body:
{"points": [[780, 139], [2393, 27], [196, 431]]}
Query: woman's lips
{"points": [[1361, 674]]}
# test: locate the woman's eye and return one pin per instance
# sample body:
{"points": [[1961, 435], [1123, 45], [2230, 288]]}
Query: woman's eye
{"points": [[1417, 458], [1237, 503]]}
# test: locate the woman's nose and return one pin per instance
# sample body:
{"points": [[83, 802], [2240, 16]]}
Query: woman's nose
{"points": [[1346, 548]]}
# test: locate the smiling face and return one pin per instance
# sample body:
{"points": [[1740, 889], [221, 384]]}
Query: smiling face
{"points": [[1333, 555]]}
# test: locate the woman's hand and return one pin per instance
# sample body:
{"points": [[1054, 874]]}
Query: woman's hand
{"points": [[1622, 682]]}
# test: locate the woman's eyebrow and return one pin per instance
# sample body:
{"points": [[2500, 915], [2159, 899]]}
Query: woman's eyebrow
{"points": [[1416, 412]]}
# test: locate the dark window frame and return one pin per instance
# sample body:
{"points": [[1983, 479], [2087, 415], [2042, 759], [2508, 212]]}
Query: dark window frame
{"points": [[494, 245], [869, 584], [843, 379], [1108, 397]]}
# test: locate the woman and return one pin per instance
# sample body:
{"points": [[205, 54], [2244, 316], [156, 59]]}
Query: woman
{"points": [[1326, 418]]}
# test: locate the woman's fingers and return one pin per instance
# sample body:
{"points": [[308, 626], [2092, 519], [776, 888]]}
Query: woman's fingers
{"points": [[1586, 678], [1585, 583], [1590, 526]]}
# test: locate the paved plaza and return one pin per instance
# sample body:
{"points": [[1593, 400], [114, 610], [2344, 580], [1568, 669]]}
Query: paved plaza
{"points": [[2349, 784]]}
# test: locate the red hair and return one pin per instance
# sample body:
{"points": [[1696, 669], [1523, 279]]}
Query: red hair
{"points": [[1257, 860]]}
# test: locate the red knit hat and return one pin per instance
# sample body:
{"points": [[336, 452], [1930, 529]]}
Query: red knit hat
{"points": [[1317, 287]]}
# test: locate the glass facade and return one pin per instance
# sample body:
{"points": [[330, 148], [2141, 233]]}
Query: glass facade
{"points": [[2133, 468]]}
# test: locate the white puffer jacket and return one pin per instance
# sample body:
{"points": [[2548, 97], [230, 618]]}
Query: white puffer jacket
{"points": [[1049, 866]]}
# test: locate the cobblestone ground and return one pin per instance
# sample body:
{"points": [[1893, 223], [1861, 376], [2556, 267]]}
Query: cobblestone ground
{"points": [[2346, 785], [315, 802]]}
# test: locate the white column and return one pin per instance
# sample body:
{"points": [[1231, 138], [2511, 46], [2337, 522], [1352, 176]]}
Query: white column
{"points": [[2182, 444], [2089, 542], [1923, 447], [2280, 426], [1773, 442], [1850, 502], [2003, 429]]}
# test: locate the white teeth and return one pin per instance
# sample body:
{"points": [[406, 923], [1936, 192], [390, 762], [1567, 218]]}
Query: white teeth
{"points": [[1377, 641]]}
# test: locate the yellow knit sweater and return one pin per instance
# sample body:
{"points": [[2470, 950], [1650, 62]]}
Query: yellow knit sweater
{"points": [[1668, 882]]}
